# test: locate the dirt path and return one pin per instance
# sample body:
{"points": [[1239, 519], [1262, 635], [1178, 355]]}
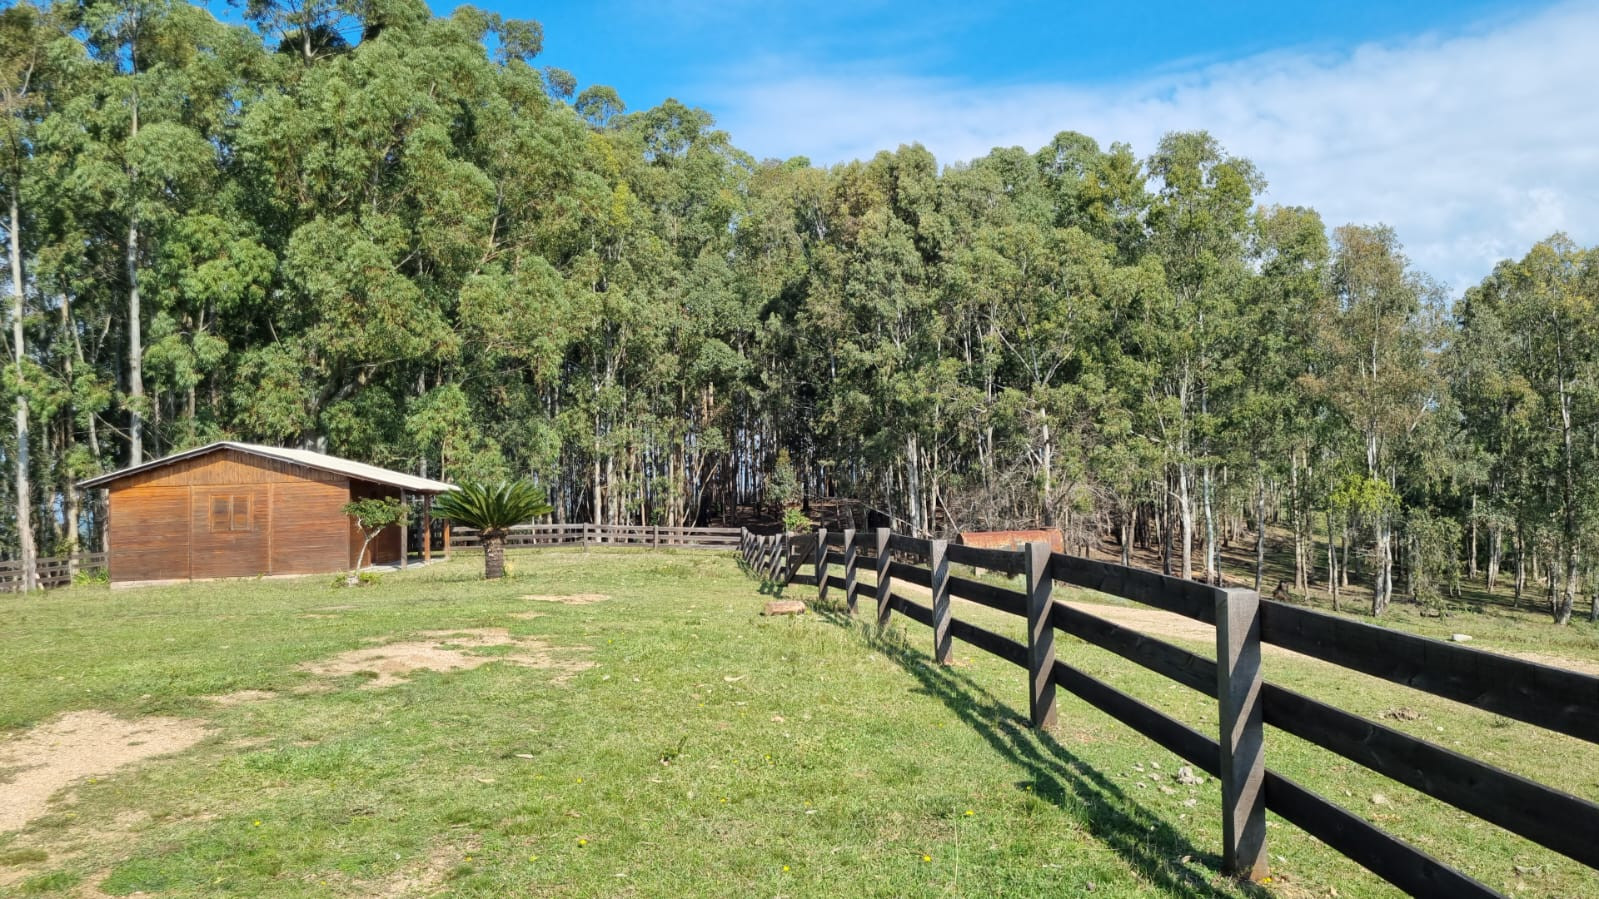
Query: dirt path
{"points": [[393, 663], [77, 745], [1158, 623]]}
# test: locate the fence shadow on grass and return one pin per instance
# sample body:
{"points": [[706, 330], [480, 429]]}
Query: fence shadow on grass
{"points": [[1056, 775]]}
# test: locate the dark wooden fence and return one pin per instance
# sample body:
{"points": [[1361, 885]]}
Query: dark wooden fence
{"points": [[1548, 697], [53, 572], [608, 535]]}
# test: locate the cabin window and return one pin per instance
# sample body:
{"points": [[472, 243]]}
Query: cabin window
{"points": [[230, 513]]}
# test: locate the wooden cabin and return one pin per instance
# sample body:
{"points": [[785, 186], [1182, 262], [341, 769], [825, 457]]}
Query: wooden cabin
{"points": [[242, 510]]}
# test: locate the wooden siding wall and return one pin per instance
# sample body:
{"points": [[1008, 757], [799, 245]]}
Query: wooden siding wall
{"points": [[310, 534], [161, 520], [148, 534]]}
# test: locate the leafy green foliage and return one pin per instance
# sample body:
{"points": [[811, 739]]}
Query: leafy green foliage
{"points": [[401, 238], [372, 516], [492, 508]]}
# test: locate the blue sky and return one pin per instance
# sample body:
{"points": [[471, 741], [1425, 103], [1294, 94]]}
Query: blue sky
{"points": [[1468, 126], [653, 50]]}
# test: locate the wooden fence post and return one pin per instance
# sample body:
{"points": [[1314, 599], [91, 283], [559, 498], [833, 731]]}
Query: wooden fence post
{"points": [[405, 535], [821, 564], [938, 563], [849, 570], [1040, 634], [1243, 757], [885, 582]]}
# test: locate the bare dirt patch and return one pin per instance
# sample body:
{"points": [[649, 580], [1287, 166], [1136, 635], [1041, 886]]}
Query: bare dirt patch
{"points": [[425, 877], [1543, 658], [77, 745], [571, 599], [445, 651], [241, 697], [529, 616]]}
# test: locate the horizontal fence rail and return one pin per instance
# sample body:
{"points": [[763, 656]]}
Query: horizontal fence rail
{"points": [[608, 535], [52, 572], [1548, 697]]}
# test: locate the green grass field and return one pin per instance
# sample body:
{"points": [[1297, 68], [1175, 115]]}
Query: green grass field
{"points": [[704, 751]]}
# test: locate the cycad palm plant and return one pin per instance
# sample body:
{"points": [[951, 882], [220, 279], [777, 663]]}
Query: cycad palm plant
{"points": [[492, 509]]}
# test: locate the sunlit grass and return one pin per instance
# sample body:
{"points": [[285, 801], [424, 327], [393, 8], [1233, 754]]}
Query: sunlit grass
{"points": [[710, 752]]}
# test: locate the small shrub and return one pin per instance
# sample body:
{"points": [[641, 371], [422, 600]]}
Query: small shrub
{"points": [[358, 579], [87, 577], [794, 520]]}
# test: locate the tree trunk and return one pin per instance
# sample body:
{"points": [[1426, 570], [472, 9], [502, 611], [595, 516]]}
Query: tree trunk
{"points": [[1333, 574], [493, 555], [1471, 557], [30, 573], [1383, 582], [1297, 513], [1495, 550], [1521, 565], [1260, 528], [1185, 511], [135, 335], [1206, 491]]}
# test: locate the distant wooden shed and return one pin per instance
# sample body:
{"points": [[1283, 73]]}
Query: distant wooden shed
{"points": [[1013, 539], [241, 510]]}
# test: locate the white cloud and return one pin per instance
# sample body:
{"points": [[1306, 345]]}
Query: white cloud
{"points": [[1473, 145]]}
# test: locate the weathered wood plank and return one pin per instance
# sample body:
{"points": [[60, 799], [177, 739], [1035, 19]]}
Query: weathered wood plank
{"points": [[1549, 817], [1243, 747], [822, 558], [998, 598], [903, 544], [1549, 697], [913, 610], [1002, 560], [938, 563], [1164, 730], [885, 579], [851, 561], [911, 574], [1191, 670], [1188, 598], [1040, 635], [1378, 851], [1012, 651]]}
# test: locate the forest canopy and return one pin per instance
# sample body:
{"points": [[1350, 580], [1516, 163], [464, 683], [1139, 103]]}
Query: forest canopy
{"points": [[354, 226]]}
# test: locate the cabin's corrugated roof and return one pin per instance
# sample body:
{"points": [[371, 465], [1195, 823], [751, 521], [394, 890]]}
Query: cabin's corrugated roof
{"points": [[319, 461]]}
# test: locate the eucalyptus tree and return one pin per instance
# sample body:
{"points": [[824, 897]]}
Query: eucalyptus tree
{"points": [[23, 42], [1199, 223], [1528, 388], [1382, 377], [1270, 418]]}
